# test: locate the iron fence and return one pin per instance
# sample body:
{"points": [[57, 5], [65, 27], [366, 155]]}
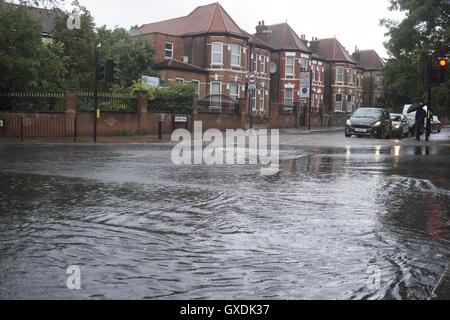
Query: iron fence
{"points": [[42, 128], [32, 102], [106, 102]]}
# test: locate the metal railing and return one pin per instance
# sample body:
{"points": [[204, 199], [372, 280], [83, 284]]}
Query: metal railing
{"points": [[32, 102], [110, 102]]}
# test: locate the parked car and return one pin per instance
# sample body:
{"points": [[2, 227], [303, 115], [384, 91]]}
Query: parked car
{"points": [[411, 122], [436, 124], [369, 122], [400, 125]]}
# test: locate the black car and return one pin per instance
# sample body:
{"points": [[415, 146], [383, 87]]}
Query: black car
{"points": [[369, 122]]}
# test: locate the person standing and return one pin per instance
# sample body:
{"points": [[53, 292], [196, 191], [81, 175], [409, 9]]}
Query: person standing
{"points": [[421, 114]]}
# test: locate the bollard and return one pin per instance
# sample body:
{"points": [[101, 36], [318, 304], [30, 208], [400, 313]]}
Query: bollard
{"points": [[160, 130]]}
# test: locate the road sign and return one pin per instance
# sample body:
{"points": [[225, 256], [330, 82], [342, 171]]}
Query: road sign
{"points": [[252, 79], [305, 85], [151, 81], [181, 119]]}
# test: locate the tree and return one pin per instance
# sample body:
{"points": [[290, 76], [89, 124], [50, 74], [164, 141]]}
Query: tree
{"points": [[424, 32], [133, 55], [26, 63], [76, 48]]}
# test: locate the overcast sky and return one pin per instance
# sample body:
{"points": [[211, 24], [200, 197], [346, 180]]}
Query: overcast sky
{"points": [[353, 22]]}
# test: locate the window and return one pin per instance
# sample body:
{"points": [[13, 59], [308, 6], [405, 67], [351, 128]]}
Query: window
{"points": [[168, 50], [313, 68], [216, 91], [196, 84], [379, 82], [235, 55], [339, 74], [255, 62], [304, 64], [349, 102], [261, 99], [217, 53], [319, 74], [289, 96], [338, 104], [350, 76], [234, 90], [290, 65], [262, 64]]}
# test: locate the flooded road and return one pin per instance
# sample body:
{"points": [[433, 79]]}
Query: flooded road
{"points": [[140, 227]]}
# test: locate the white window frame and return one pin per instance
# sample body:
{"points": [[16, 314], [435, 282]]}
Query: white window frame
{"points": [[235, 96], [288, 74], [319, 78], [238, 46], [197, 86], [349, 103], [342, 74], [304, 68], [337, 103], [168, 50], [212, 83], [216, 63], [261, 100], [379, 81], [286, 96], [262, 64], [350, 72]]}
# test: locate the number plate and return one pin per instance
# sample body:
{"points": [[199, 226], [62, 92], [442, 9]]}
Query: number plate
{"points": [[360, 130]]}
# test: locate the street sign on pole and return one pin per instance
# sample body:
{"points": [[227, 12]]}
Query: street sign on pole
{"points": [[305, 85], [252, 79]]}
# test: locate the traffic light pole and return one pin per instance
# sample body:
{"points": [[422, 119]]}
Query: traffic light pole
{"points": [[429, 85], [97, 46]]}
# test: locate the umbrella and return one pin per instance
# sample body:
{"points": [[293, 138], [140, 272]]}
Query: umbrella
{"points": [[415, 106]]}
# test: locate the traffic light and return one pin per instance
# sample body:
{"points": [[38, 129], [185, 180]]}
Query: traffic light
{"points": [[112, 71], [443, 66], [100, 74]]}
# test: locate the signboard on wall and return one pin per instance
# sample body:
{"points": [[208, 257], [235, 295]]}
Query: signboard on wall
{"points": [[151, 81], [305, 85]]}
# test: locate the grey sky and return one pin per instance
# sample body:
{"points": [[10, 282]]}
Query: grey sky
{"points": [[353, 22]]}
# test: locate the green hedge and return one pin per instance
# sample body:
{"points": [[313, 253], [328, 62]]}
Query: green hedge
{"points": [[177, 98]]}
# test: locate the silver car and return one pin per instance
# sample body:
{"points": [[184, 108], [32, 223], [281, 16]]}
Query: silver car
{"points": [[400, 125]]}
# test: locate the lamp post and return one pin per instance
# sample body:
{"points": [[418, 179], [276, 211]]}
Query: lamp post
{"points": [[97, 46]]}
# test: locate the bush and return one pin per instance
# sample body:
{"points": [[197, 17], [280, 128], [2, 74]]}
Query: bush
{"points": [[177, 98]]}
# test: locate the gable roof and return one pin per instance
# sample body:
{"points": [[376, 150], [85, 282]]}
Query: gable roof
{"points": [[44, 17], [369, 60], [211, 18], [283, 37], [331, 50], [174, 64]]}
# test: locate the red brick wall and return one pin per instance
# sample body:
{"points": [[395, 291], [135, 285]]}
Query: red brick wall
{"points": [[220, 121], [159, 41]]}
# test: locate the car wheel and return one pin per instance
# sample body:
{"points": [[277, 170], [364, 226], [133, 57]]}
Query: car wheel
{"points": [[439, 130], [380, 134], [359, 136], [348, 135]]}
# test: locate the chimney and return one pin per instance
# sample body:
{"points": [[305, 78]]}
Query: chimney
{"points": [[314, 45], [357, 54], [262, 28], [303, 40]]}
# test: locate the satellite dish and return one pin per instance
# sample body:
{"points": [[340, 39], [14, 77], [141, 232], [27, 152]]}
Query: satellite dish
{"points": [[273, 68]]}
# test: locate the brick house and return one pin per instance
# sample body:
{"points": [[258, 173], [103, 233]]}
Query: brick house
{"points": [[208, 49], [343, 80], [290, 57], [370, 64]]}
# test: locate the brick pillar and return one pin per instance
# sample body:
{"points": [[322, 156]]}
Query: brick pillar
{"points": [[274, 109], [71, 112], [142, 111], [244, 115], [297, 115], [194, 111]]}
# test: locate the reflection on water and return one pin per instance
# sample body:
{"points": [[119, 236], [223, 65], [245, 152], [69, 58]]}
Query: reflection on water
{"points": [[140, 227]]}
